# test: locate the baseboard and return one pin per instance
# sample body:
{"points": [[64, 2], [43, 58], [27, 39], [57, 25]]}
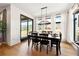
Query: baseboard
{"points": [[64, 41], [3, 43], [0, 43], [75, 45]]}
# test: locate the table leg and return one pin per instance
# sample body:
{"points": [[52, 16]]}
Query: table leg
{"points": [[40, 47], [28, 42], [57, 49]]}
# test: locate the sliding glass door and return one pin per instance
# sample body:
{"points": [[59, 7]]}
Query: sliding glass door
{"points": [[26, 26], [23, 29], [76, 28], [30, 26]]}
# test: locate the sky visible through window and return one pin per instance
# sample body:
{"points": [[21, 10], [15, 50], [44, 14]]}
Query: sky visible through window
{"points": [[58, 19], [25, 23]]}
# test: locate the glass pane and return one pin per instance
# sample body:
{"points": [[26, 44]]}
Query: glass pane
{"points": [[23, 29], [29, 26], [58, 19], [77, 28]]}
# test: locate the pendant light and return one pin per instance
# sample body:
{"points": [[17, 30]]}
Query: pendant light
{"points": [[44, 21]]}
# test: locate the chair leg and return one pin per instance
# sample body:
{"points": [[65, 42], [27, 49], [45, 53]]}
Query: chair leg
{"points": [[37, 46], [47, 49], [28, 42], [51, 47], [32, 44], [57, 48], [40, 47], [60, 49]]}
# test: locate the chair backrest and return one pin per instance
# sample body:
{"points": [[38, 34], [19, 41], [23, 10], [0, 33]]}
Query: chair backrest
{"points": [[34, 34], [49, 32], [43, 31], [42, 34], [55, 35], [60, 36]]}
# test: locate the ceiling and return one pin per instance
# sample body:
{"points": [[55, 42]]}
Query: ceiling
{"points": [[3, 5], [35, 8]]}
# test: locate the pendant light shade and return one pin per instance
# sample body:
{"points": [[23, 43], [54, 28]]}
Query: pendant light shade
{"points": [[44, 23]]}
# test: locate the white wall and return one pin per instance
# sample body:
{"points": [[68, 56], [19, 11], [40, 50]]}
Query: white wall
{"points": [[53, 23], [15, 24], [8, 24], [64, 25], [35, 25]]}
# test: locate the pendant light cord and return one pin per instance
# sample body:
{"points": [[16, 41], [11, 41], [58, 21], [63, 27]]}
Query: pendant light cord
{"points": [[46, 12], [41, 13]]}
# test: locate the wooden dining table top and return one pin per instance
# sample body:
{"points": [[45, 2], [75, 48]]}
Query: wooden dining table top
{"points": [[44, 37]]}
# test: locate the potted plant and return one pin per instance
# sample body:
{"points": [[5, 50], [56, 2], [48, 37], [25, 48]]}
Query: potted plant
{"points": [[2, 26], [2, 30]]}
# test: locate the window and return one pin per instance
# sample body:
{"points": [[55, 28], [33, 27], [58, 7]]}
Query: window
{"points": [[58, 24], [26, 26], [58, 19]]}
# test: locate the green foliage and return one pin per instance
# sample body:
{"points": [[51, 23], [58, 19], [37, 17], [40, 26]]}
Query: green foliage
{"points": [[2, 26]]}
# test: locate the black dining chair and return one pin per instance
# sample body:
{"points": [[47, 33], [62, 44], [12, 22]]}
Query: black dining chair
{"points": [[35, 40], [43, 31], [60, 42], [44, 41], [54, 42]]}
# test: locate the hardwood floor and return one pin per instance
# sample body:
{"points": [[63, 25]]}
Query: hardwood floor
{"points": [[22, 49]]}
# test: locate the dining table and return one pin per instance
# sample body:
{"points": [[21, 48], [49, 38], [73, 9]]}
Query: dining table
{"points": [[53, 39]]}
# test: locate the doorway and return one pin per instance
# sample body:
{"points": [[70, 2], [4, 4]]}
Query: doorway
{"points": [[26, 26]]}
